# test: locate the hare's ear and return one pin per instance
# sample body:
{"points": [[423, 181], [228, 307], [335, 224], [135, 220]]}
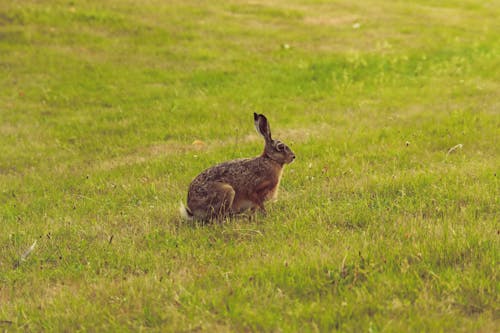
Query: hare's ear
{"points": [[262, 126]]}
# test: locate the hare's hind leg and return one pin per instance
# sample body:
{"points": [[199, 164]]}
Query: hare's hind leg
{"points": [[211, 201], [223, 200]]}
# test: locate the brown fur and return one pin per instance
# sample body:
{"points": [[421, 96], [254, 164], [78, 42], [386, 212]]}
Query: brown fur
{"points": [[233, 187]]}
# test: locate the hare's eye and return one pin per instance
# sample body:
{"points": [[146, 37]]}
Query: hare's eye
{"points": [[280, 146]]}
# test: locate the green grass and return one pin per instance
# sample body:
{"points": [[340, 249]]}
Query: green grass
{"points": [[377, 228]]}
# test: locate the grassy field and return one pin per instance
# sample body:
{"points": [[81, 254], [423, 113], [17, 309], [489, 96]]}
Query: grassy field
{"points": [[388, 221]]}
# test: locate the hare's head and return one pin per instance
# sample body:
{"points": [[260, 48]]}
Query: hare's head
{"points": [[274, 149]]}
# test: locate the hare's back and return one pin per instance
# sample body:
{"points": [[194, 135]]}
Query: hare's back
{"points": [[231, 172]]}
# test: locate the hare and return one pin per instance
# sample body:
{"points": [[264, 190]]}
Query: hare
{"points": [[235, 186]]}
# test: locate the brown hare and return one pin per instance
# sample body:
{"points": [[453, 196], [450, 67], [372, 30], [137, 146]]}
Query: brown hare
{"points": [[233, 187]]}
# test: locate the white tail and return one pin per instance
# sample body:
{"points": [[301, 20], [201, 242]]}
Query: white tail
{"points": [[185, 213]]}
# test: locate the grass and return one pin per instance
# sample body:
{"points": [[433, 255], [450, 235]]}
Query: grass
{"points": [[378, 228]]}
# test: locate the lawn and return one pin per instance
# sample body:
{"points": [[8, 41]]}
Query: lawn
{"points": [[388, 220]]}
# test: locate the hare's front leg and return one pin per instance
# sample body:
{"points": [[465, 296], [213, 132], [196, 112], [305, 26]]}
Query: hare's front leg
{"points": [[258, 203], [262, 193]]}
